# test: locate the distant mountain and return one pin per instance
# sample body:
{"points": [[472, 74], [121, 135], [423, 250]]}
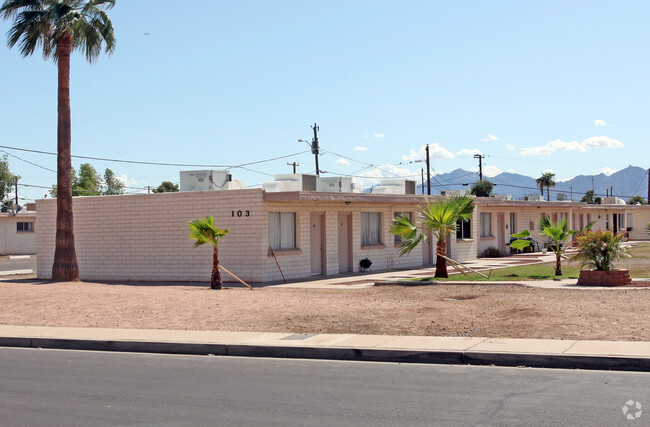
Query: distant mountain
{"points": [[625, 183]]}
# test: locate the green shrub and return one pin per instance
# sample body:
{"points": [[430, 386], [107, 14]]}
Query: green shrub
{"points": [[599, 249], [491, 252]]}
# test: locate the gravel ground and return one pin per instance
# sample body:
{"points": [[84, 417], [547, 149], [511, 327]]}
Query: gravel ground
{"points": [[444, 310]]}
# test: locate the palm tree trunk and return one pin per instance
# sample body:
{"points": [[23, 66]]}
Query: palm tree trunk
{"points": [[558, 264], [65, 266], [548, 193], [441, 263], [215, 281]]}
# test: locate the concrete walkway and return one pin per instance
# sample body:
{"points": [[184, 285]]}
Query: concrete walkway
{"points": [[566, 354]]}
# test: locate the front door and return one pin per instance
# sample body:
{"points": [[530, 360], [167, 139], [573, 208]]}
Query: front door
{"points": [[345, 227], [316, 243], [501, 238]]}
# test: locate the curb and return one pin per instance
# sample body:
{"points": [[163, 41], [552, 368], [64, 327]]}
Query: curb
{"points": [[617, 363]]}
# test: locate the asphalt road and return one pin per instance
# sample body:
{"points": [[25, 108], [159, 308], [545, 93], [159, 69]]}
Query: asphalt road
{"points": [[54, 387], [7, 264]]}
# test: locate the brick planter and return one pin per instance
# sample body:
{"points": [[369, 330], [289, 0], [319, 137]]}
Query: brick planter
{"points": [[604, 278]]}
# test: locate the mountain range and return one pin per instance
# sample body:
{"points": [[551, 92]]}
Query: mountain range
{"points": [[628, 182]]}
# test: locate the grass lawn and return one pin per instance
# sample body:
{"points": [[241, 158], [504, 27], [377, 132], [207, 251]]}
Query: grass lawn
{"points": [[638, 264]]}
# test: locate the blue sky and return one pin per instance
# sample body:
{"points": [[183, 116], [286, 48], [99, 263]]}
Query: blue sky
{"points": [[534, 86]]}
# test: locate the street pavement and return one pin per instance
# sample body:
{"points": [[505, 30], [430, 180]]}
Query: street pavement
{"points": [[85, 388]]}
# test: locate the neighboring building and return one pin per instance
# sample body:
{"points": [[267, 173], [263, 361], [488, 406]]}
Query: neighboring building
{"points": [[18, 233], [145, 236]]}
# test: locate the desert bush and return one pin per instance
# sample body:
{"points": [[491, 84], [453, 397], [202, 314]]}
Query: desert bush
{"points": [[599, 249], [491, 252]]}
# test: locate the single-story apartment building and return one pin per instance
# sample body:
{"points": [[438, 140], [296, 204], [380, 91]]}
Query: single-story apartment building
{"points": [[18, 233], [144, 237]]}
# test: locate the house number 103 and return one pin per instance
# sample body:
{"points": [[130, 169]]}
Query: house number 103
{"points": [[241, 213]]}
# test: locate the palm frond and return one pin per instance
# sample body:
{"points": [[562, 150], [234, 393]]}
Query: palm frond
{"points": [[203, 230]]}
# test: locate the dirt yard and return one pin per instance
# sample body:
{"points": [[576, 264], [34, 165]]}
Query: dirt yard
{"points": [[446, 310]]}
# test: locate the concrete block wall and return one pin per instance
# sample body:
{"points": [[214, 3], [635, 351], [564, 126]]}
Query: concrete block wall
{"points": [[145, 236], [13, 242], [640, 220], [463, 250]]}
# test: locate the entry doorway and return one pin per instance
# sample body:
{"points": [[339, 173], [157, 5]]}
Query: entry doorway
{"points": [[501, 233], [345, 242], [316, 243]]}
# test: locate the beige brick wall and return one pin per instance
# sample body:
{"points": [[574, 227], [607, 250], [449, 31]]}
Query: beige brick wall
{"points": [[640, 220], [13, 242], [145, 236]]}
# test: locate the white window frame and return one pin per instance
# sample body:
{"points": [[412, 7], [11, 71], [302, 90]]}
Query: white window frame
{"points": [[370, 228], [282, 230], [409, 215], [460, 227], [486, 231]]}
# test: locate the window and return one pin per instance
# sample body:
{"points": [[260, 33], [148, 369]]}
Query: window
{"points": [[486, 225], [370, 228], [282, 230], [398, 237], [513, 223], [25, 226], [463, 229]]}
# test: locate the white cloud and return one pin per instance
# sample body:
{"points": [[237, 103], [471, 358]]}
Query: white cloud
{"points": [[490, 138], [548, 171], [469, 152], [378, 135], [436, 152], [559, 145], [608, 171], [342, 162], [602, 141], [600, 122], [491, 171], [511, 171], [360, 148], [510, 147]]}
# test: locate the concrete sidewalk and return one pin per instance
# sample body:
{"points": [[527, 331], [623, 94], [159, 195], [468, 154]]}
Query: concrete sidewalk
{"points": [[565, 354]]}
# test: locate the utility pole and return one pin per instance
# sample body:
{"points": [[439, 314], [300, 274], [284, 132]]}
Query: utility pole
{"points": [[16, 184], [148, 189], [571, 193], [314, 147], [480, 165], [428, 173], [648, 199], [294, 164], [422, 177]]}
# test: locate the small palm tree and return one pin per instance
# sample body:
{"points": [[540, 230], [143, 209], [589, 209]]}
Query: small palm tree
{"points": [[439, 219], [60, 27], [558, 234], [600, 249], [203, 231]]}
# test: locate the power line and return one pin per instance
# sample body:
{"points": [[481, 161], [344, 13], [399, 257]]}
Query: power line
{"points": [[156, 163]]}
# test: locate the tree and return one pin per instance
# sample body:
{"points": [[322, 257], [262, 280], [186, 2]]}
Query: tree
{"points": [[112, 185], [561, 197], [546, 180], [482, 188], [59, 27], [203, 231], [7, 182], [588, 197], [87, 183], [637, 199], [166, 187], [558, 234], [440, 219]]}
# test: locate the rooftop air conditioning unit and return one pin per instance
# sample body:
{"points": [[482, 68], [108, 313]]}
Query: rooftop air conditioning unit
{"points": [[336, 184], [291, 182], [394, 186], [206, 180]]}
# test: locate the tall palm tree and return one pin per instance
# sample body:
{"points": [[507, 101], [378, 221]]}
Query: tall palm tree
{"points": [[440, 219], [203, 231], [60, 27], [546, 180]]}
